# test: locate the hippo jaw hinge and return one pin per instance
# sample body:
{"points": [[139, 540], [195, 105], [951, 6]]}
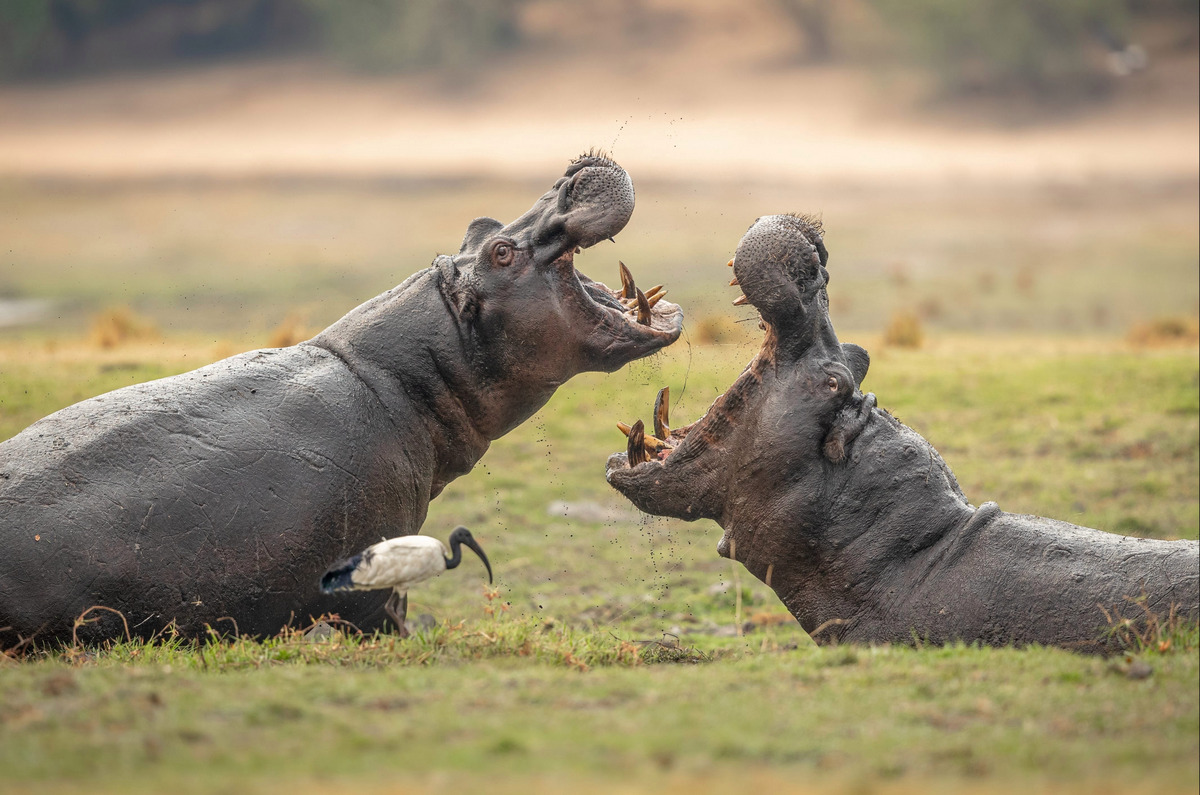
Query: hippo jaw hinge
{"points": [[459, 297]]}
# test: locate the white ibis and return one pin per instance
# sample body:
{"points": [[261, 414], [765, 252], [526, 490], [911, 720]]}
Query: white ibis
{"points": [[399, 563]]}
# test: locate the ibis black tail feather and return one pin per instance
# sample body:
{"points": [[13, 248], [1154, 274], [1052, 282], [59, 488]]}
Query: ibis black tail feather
{"points": [[340, 575]]}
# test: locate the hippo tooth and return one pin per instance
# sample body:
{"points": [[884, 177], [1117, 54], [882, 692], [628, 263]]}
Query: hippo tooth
{"points": [[734, 282], [653, 291], [651, 297], [636, 448], [730, 263], [578, 250], [649, 441], [740, 300], [627, 285], [643, 308], [661, 411]]}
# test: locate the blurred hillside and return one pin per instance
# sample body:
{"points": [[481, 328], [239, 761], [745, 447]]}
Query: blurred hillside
{"points": [[703, 90], [228, 164]]}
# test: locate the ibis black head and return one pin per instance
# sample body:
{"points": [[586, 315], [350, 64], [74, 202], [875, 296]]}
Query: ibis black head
{"points": [[461, 537]]}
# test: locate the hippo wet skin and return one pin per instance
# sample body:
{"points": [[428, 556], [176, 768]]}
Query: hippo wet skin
{"points": [[852, 518], [226, 492]]}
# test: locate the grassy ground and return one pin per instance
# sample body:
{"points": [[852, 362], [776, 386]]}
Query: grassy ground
{"points": [[562, 677], [339, 716]]}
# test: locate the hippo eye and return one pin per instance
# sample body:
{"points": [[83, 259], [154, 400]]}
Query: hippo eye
{"points": [[502, 254], [832, 383]]}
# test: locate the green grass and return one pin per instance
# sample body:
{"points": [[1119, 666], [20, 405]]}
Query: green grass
{"points": [[557, 688], [352, 713]]}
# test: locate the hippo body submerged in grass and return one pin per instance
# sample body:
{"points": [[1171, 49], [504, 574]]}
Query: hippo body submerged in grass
{"points": [[225, 493], [852, 518]]}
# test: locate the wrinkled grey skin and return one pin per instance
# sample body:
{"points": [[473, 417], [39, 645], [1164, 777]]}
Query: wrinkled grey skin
{"points": [[227, 491], [854, 519]]}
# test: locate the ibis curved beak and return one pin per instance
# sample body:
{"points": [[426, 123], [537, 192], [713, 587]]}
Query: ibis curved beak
{"points": [[478, 550]]}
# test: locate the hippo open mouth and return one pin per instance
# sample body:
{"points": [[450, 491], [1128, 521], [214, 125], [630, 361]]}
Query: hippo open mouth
{"points": [[780, 267], [593, 203], [633, 318]]}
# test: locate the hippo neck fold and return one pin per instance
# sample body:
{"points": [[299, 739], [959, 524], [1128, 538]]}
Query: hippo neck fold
{"points": [[410, 349], [810, 333]]}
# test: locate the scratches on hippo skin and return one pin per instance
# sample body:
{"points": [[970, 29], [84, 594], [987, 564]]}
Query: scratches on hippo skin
{"points": [[1056, 551], [312, 458]]}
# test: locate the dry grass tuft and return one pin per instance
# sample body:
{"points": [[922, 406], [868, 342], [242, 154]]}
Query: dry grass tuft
{"points": [[1163, 331], [120, 325], [904, 331], [292, 329], [1148, 631]]}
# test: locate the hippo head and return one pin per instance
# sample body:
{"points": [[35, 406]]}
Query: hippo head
{"points": [[801, 389], [516, 284]]}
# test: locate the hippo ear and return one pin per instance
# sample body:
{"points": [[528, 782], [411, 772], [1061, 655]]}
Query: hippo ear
{"points": [[858, 359], [478, 231]]}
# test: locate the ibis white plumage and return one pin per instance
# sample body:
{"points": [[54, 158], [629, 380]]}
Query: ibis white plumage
{"points": [[399, 563]]}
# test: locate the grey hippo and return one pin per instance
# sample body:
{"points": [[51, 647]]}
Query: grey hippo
{"points": [[852, 518], [226, 492]]}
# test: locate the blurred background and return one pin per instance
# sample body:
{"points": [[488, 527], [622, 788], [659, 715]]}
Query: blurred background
{"points": [[249, 170]]}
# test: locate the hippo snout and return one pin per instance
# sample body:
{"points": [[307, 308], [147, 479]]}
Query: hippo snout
{"points": [[596, 203]]}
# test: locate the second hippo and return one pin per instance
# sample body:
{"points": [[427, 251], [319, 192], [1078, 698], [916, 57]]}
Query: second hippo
{"points": [[852, 518]]}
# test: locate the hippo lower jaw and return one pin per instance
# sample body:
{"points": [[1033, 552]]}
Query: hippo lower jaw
{"points": [[677, 471], [625, 328]]}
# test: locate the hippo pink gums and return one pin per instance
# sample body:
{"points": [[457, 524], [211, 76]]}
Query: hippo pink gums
{"points": [[226, 492], [852, 518]]}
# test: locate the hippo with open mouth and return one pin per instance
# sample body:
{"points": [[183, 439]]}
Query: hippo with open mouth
{"points": [[224, 493], [852, 518]]}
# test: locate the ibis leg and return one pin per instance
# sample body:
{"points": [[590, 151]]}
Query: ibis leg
{"points": [[397, 608]]}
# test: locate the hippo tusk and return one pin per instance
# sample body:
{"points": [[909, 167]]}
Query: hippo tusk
{"points": [[627, 285], [730, 263], [661, 411], [636, 448], [650, 442], [653, 291], [741, 300], [643, 308], [655, 299], [734, 282]]}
